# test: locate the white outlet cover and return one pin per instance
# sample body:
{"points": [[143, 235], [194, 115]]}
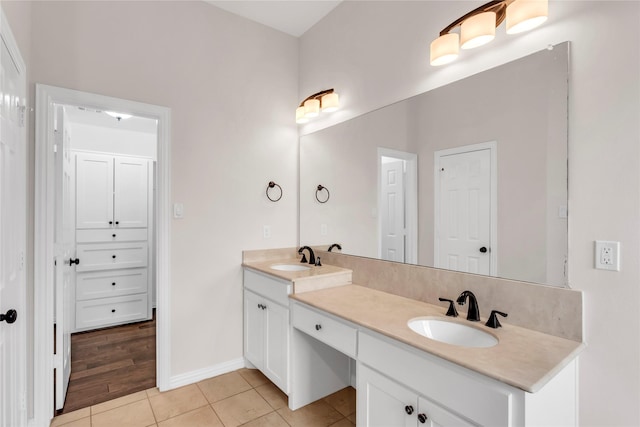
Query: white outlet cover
{"points": [[607, 255]]}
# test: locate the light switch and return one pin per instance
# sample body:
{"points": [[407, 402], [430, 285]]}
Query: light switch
{"points": [[178, 210]]}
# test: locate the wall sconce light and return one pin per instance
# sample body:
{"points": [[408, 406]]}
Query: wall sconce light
{"points": [[325, 101], [478, 27]]}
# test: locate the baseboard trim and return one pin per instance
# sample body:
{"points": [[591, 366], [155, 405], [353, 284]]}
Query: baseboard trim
{"points": [[205, 373]]}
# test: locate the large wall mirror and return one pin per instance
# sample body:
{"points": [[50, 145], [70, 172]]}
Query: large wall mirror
{"points": [[471, 176]]}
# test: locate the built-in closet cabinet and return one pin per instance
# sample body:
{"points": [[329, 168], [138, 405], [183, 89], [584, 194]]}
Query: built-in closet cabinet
{"points": [[113, 218]]}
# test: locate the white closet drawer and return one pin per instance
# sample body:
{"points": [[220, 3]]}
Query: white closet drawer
{"points": [[108, 256], [321, 326], [111, 235], [101, 284], [110, 311]]}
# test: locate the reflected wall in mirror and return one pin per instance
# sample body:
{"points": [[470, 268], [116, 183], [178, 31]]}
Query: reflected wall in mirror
{"points": [[471, 176]]}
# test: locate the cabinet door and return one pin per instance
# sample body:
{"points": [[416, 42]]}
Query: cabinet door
{"points": [[253, 329], [432, 415], [276, 322], [382, 402], [131, 189], [94, 191]]}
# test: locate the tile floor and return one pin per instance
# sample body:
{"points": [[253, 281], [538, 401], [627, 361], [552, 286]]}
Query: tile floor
{"points": [[240, 398]]}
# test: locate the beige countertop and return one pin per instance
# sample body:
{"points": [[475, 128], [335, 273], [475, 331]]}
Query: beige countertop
{"points": [[325, 276], [522, 358]]}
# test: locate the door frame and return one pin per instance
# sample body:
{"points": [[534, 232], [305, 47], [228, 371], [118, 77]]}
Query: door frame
{"points": [[46, 97], [492, 146], [411, 201]]}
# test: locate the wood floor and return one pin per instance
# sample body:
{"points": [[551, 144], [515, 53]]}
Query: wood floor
{"points": [[110, 363]]}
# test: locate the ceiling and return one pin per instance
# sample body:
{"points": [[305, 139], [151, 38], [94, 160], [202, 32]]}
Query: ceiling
{"points": [[87, 116], [293, 17]]}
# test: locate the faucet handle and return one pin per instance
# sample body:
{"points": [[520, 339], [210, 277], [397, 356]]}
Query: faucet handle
{"points": [[493, 321], [304, 258], [452, 308], [318, 263]]}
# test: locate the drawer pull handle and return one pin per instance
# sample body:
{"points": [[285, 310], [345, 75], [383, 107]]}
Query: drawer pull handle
{"points": [[113, 310], [113, 284], [113, 256], [318, 327], [113, 235], [422, 418], [408, 409]]}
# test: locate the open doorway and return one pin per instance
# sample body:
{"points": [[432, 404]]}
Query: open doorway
{"points": [[105, 240], [101, 230], [398, 206]]}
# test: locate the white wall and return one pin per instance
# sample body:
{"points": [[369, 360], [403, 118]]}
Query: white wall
{"points": [[375, 53], [108, 140], [230, 136]]}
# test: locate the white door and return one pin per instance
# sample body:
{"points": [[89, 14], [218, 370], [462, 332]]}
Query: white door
{"points": [[131, 188], [392, 197], [94, 186], [64, 246], [463, 212], [13, 171]]}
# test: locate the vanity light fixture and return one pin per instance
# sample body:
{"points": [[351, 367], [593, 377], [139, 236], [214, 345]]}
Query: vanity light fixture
{"points": [[325, 101], [478, 27]]}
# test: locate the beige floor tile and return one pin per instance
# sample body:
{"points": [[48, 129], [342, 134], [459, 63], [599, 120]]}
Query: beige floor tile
{"points": [[71, 416], [343, 423], [202, 417], [223, 386], [343, 401], [176, 402], [136, 414], [316, 414], [273, 395], [115, 403], [253, 377], [82, 422], [152, 391], [270, 420], [241, 408]]}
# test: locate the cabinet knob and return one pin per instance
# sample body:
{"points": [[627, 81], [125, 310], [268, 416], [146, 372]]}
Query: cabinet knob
{"points": [[117, 222], [113, 310], [74, 261], [318, 327], [113, 235], [113, 256], [408, 409], [422, 418], [113, 284], [110, 222]]}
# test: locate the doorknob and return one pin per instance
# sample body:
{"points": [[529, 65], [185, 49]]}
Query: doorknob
{"points": [[74, 261], [483, 249], [10, 317]]}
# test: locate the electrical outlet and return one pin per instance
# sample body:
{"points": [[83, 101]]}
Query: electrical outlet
{"points": [[266, 231], [607, 255]]}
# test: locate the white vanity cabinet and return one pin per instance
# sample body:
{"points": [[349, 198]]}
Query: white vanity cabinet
{"points": [[395, 379], [266, 326], [113, 233]]}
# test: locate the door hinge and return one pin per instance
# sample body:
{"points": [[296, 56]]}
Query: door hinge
{"points": [[22, 111]]}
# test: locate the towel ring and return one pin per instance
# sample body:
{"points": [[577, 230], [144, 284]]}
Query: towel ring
{"points": [[318, 190], [270, 186]]}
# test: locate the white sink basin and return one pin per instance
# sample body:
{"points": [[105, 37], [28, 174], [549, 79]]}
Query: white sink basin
{"points": [[290, 267], [451, 332]]}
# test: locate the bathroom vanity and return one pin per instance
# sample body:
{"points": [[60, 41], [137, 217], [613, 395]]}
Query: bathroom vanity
{"points": [[313, 334]]}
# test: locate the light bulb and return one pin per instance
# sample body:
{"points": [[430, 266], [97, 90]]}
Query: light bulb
{"points": [[444, 49]]}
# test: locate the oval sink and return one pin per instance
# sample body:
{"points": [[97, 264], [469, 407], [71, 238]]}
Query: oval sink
{"points": [[290, 267], [451, 332]]}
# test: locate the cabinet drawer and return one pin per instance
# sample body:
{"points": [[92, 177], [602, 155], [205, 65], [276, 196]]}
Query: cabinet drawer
{"points": [[486, 401], [111, 235], [101, 284], [324, 328], [273, 289], [110, 311], [108, 256]]}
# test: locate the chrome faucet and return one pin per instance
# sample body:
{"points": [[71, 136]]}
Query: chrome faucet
{"points": [[473, 312], [312, 256]]}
